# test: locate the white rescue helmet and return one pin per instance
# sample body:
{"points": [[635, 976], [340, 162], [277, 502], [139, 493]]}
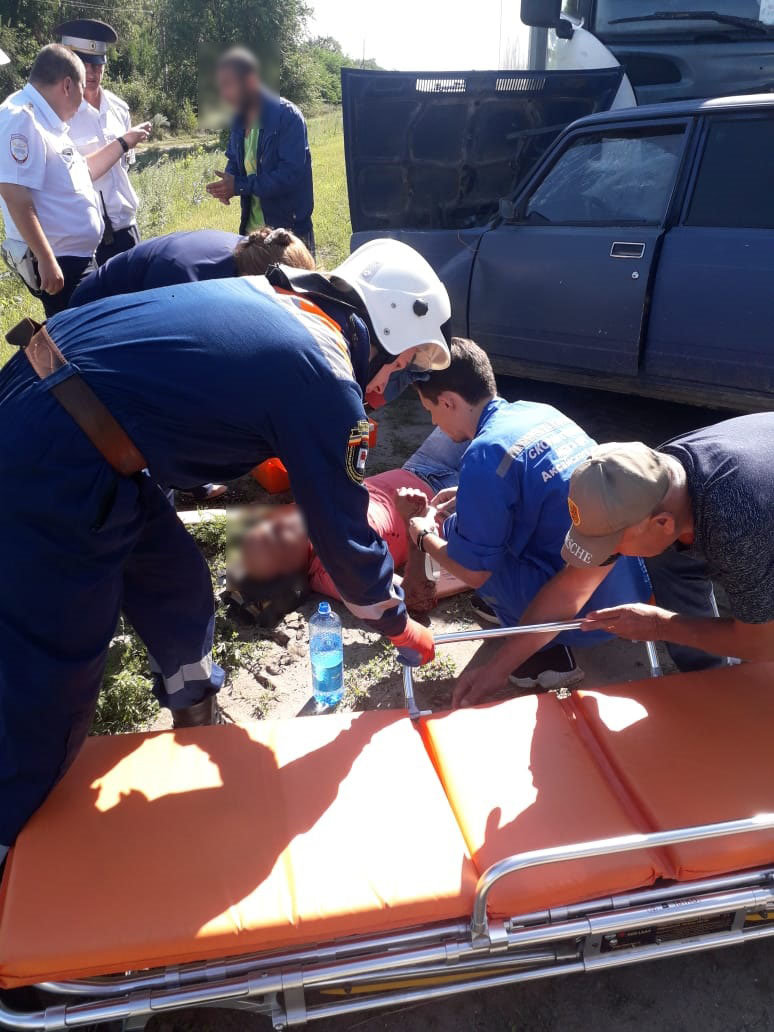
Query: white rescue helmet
{"points": [[408, 305]]}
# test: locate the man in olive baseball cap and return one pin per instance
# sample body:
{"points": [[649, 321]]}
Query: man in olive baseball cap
{"points": [[617, 488], [700, 511]]}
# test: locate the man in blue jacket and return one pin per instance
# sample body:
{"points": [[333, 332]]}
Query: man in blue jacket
{"points": [[269, 165], [88, 436]]}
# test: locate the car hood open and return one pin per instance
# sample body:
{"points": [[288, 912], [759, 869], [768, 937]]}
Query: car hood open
{"points": [[437, 150]]}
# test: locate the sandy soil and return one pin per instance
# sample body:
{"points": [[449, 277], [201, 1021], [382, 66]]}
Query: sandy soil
{"points": [[721, 992]]}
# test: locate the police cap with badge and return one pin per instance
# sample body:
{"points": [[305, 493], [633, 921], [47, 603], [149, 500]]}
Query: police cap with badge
{"points": [[88, 38]]}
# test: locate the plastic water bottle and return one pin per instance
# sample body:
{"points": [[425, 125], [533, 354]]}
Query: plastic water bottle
{"points": [[327, 656]]}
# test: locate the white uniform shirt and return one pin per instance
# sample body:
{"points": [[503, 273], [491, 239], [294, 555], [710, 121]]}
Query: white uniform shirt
{"points": [[92, 129], [37, 151]]}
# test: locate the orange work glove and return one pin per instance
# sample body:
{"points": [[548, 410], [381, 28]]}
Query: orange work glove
{"points": [[415, 646]]}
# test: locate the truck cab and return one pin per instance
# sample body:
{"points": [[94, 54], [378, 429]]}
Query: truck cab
{"points": [[674, 49]]}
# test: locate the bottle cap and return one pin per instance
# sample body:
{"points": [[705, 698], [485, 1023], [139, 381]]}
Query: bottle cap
{"points": [[324, 607]]}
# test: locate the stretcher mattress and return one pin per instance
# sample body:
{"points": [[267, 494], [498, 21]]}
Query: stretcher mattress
{"points": [[519, 778], [209, 842], [170, 847], [693, 750]]}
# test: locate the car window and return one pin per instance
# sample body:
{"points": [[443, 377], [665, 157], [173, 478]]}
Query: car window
{"points": [[618, 178], [735, 185]]}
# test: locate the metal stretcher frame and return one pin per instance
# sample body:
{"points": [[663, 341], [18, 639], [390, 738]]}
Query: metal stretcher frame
{"points": [[478, 633], [439, 961]]}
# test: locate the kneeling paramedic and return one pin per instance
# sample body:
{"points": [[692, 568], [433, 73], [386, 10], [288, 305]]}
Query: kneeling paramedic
{"points": [[88, 435], [508, 517]]}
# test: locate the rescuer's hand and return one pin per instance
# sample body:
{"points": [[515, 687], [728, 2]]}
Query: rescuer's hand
{"points": [[445, 501], [637, 622], [415, 646], [474, 685]]}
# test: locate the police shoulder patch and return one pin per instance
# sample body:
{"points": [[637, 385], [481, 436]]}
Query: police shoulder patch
{"points": [[19, 147], [357, 451]]}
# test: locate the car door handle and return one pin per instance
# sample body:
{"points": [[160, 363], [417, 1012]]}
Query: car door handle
{"points": [[627, 249]]}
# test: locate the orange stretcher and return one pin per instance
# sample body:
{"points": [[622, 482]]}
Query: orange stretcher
{"points": [[332, 864]]}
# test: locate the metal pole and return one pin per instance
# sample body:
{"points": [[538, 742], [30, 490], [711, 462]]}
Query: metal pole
{"points": [[408, 692], [602, 847], [556, 627], [655, 664], [476, 634], [538, 49]]}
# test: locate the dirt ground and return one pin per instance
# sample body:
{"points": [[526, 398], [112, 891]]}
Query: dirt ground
{"points": [[727, 991]]}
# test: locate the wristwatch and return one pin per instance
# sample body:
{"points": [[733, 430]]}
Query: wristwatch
{"points": [[421, 538], [124, 145]]}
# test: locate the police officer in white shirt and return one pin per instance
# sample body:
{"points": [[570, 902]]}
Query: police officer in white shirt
{"points": [[101, 118], [53, 218]]}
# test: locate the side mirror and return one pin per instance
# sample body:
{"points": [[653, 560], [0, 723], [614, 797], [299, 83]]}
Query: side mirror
{"points": [[541, 14], [507, 209], [546, 14]]}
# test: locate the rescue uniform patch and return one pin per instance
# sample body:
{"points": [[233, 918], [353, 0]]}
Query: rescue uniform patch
{"points": [[357, 451], [19, 147]]}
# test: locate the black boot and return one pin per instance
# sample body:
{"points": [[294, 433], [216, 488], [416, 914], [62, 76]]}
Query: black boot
{"points": [[198, 715]]}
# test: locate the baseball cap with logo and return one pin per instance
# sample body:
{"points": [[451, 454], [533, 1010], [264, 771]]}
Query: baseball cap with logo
{"points": [[615, 488]]}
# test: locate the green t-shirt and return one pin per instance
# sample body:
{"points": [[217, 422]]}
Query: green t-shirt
{"points": [[255, 220]]}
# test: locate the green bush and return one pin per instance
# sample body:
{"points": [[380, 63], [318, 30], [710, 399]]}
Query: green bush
{"points": [[187, 121], [143, 99]]}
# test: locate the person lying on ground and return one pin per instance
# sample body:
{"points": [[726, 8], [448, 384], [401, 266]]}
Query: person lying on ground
{"points": [[698, 509], [185, 257], [278, 544], [507, 521]]}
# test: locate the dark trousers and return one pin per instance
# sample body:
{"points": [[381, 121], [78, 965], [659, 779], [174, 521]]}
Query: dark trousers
{"points": [[121, 240], [73, 270], [79, 543], [681, 584], [308, 240]]}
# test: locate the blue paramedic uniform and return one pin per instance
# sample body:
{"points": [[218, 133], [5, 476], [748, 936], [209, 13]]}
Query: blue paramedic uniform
{"points": [[79, 542], [164, 261], [512, 516]]}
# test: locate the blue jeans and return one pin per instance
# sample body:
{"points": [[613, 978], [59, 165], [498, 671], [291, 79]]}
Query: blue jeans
{"points": [[437, 461]]}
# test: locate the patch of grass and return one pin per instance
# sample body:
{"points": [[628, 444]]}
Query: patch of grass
{"points": [[210, 536], [126, 702], [262, 704], [384, 667], [171, 186], [359, 680], [440, 669]]}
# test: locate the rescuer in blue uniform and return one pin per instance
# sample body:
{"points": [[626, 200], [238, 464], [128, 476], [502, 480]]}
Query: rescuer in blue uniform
{"points": [[187, 257], [505, 534], [88, 436]]}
